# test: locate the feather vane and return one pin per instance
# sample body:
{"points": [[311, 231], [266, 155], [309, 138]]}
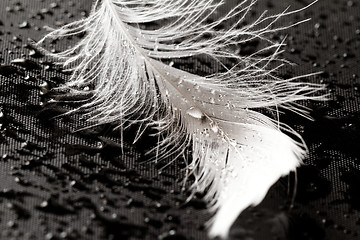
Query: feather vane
{"points": [[237, 152]]}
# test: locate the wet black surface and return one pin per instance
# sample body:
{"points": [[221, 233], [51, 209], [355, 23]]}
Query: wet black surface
{"points": [[58, 183]]}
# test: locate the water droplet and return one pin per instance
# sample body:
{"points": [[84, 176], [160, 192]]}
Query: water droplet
{"points": [[24, 24], [196, 87], [44, 204], [99, 145], [214, 127], [49, 236], [227, 105], [195, 113], [11, 224], [44, 88], [233, 142]]}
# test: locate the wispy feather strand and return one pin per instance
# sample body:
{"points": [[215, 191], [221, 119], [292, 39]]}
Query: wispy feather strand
{"points": [[237, 153]]}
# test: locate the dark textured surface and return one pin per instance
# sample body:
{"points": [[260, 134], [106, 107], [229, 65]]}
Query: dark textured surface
{"points": [[59, 184]]}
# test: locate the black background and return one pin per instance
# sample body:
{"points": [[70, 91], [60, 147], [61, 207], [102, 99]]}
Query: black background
{"points": [[59, 184]]}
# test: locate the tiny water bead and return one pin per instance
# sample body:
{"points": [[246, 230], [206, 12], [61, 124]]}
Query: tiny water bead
{"points": [[214, 127]]}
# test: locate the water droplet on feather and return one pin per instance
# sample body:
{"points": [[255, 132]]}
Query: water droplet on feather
{"points": [[214, 127], [195, 113]]}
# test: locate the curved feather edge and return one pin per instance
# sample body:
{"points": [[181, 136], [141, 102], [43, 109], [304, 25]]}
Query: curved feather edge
{"points": [[237, 153]]}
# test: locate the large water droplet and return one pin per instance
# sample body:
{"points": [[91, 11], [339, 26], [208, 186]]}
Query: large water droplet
{"points": [[195, 113]]}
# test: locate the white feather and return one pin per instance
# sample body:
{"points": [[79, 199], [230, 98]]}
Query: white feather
{"points": [[237, 153]]}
